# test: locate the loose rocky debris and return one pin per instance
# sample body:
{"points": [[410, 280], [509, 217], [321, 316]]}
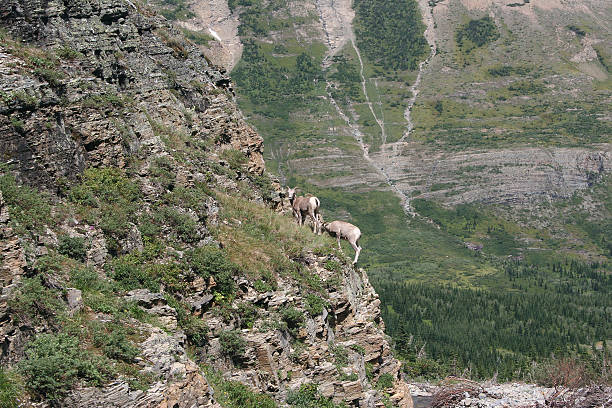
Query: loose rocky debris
{"points": [[459, 392]]}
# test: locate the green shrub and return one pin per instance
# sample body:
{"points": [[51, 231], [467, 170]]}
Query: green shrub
{"points": [[55, 362], [52, 263], [195, 328], [187, 229], [266, 282], [53, 76], [390, 33], [114, 343], [232, 394], [67, 53], [424, 367], [308, 396], [33, 304], [210, 261], [10, 389], [247, 314], [129, 272], [385, 381], [238, 395], [333, 266], [104, 101], [349, 377], [198, 37], [294, 318], [29, 208], [234, 158], [86, 279], [340, 355], [108, 198], [232, 345], [359, 349], [315, 304], [73, 247]]}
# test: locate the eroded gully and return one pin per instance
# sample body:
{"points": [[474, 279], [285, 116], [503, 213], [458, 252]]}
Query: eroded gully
{"points": [[383, 168]]}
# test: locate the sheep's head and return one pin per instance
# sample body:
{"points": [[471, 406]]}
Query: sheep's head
{"points": [[291, 192]]}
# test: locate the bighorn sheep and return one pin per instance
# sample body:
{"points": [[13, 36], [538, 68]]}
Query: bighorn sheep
{"points": [[305, 205], [347, 231]]}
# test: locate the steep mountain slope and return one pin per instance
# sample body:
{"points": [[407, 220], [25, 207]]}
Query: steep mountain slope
{"points": [[142, 264], [488, 119]]}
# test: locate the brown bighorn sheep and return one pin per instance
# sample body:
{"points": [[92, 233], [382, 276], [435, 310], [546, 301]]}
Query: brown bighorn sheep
{"points": [[347, 231], [305, 205]]}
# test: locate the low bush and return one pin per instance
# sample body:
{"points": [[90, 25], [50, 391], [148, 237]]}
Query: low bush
{"points": [[184, 226], [384, 382], [29, 208], [195, 328], [86, 279], [73, 247], [424, 368], [108, 198], [247, 314], [232, 345], [210, 261], [340, 355], [308, 396], [315, 304], [34, 304], [232, 394], [476, 33], [129, 272], [113, 341], [55, 362], [294, 318], [234, 158]]}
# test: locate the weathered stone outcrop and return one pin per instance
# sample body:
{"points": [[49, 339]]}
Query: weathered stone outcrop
{"points": [[180, 381], [344, 349], [98, 82]]}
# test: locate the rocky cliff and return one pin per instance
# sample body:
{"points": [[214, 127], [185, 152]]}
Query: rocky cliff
{"points": [[141, 262]]}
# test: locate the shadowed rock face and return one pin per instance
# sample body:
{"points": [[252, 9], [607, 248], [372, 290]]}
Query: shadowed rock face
{"points": [[122, 79]]}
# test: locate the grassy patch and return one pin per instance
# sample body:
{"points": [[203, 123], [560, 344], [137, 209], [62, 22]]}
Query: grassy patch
{"points": [[11, 389], [232, 394]]}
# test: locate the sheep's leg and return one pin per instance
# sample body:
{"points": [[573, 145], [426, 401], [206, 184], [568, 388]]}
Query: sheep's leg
{"points": [[338, 238], [299, 217], [320, 224], [357, 249], [296, 215], [315, 223]]}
